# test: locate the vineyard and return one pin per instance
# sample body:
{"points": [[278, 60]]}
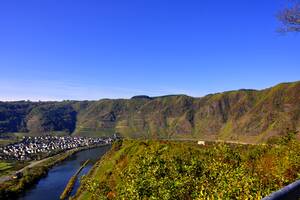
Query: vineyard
{"points": [[183, 170]]}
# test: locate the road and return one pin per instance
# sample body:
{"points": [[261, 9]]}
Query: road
{"points": [[216, 141], [32, 164]]}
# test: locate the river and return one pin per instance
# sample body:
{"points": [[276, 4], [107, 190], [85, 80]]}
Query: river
{"points": [[51, 186]]}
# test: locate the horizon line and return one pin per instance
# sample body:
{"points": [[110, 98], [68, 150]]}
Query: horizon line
{"points": [[146, 96]]}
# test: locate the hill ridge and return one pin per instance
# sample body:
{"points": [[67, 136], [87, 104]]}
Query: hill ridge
{"points": [[243, 115]]}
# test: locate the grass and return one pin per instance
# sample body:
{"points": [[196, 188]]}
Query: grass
{"points": [[5, 166], [8, 140]]}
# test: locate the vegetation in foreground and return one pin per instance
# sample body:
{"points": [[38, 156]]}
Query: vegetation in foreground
{"points": [[174, 170]]}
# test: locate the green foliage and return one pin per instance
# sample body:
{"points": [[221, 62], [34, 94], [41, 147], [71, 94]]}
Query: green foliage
{"points": [[173, 170], [37, 117], [52, 117], [12, 115], [5, 166]]}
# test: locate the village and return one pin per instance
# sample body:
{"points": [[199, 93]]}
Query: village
{"points": [[35, 148]]}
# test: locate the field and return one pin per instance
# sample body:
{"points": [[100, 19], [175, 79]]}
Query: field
{"points": [[184, 170], [8, 140], [5, 166]]}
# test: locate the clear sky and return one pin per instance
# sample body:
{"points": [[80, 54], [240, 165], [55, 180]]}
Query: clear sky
{"points": [[93, 49]]}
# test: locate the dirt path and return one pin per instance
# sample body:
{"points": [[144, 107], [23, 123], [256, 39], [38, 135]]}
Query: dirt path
{"points": [[32, 164]]}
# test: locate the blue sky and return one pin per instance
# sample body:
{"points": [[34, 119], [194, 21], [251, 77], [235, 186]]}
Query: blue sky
{"points": [[93, 49]]}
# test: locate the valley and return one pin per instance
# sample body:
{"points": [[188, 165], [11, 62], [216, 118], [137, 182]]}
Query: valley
{"points": [[231, 145]]}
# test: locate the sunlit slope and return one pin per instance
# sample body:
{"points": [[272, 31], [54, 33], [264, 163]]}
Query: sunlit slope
{"points": [[244, 115], [237, 115], [183, 170]]}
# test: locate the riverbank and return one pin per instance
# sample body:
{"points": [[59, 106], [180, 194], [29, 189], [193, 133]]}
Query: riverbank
{"points": [[34, 172], [71, 182]]}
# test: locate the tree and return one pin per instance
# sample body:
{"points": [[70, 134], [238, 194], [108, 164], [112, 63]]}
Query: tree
{"points": [[290, 17]]}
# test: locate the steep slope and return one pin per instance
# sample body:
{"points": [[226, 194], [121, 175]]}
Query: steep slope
{"points": [[244, 115], [147, 169], [38, 117]]}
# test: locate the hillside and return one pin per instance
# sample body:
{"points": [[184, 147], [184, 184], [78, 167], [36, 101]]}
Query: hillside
{"points": [[136, 169], [244, 115]]}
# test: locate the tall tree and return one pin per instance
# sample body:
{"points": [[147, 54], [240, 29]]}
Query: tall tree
{"points": [[290, 17]]}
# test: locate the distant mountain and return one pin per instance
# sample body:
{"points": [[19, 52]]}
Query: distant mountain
{"points": [[244, 115]]}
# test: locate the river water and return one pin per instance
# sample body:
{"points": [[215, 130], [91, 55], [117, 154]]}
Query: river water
{"points": [[51, 186]]}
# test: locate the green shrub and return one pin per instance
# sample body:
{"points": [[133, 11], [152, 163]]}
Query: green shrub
{"points": [[173, 170]]}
